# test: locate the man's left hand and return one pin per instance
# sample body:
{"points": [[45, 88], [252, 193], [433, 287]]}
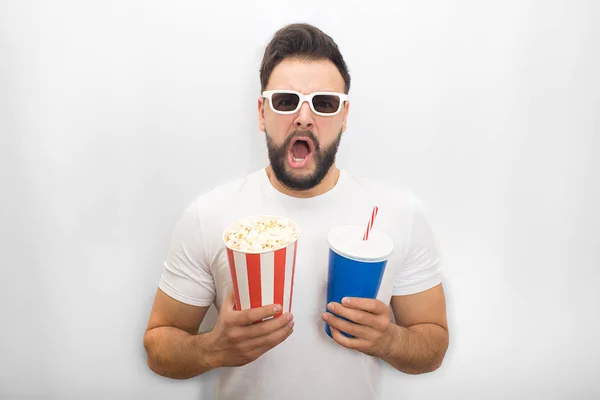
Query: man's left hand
{"points": [[371, 326]]}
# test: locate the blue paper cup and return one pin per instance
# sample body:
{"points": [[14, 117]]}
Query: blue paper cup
{"points": [[356, 267]]}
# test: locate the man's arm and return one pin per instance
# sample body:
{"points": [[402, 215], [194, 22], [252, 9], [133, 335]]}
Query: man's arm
{"points": [[172, 344], [175, 350], [420, 335], [417, 342]]}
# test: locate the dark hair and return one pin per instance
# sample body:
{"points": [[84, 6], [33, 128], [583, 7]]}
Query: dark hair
{"points": [[302, 41]]}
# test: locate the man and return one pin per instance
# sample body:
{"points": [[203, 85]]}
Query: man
{"points": [[291, 356]]}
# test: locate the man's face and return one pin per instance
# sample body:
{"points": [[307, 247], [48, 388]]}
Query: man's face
{"points": [[302, 146]]}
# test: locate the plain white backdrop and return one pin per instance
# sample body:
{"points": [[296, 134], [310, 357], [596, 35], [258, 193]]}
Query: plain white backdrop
{"points": [[115, 115]]}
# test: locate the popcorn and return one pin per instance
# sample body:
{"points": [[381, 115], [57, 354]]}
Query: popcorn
{"points": [[255, 235]]}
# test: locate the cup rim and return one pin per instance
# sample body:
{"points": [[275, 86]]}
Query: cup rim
{"points": [[261, 216], [336, 249]]}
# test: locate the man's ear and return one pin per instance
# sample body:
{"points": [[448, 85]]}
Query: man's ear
{"points": [[261, 114], [346, 109]]}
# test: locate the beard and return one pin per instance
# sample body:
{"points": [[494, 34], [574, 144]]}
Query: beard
{"points": [[324, 157]]}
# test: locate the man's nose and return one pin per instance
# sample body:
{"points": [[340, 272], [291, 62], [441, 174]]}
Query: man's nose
{"points": [[305, 118]]}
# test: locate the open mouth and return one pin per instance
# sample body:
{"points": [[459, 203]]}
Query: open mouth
{"points": [[300, 153]]}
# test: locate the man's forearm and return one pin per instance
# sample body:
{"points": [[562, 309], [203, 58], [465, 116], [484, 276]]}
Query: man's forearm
{"points": [[417, 349], [174, 353]]}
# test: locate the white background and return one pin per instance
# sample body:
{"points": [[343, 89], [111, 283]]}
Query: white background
{"points": [[115, 115]]}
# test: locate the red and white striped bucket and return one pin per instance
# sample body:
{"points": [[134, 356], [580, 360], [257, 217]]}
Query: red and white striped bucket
{"points": [[263, 278]]}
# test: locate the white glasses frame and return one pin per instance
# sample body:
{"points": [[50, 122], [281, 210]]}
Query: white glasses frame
{"points": [[268, 94]]}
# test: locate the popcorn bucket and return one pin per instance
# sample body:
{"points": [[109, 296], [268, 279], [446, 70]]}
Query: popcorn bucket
{"points": [[261, 251]]}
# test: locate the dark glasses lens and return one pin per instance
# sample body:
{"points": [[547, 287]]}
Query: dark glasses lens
{"points": [[326, 104], [285, 101]]}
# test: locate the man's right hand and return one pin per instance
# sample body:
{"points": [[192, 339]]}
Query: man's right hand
{"points": [[235, 341]]}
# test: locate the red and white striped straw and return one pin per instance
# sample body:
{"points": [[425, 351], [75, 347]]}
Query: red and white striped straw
{"points": [[370, 226]]}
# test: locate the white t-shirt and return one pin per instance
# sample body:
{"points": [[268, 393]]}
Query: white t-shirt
{"points": [[308, 364]]}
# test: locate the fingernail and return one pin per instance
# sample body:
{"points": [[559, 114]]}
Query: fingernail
{"points": [[345, 301], [277, 308], [330, 307], [291, 324], [325, 316], [289, 317]]}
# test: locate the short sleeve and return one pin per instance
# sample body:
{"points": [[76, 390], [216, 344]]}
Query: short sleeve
{"points": [[422, 268], [186, 275]]}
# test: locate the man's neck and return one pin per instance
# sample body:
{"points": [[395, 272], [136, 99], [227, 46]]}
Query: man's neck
{"points": [[324, 186]]}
